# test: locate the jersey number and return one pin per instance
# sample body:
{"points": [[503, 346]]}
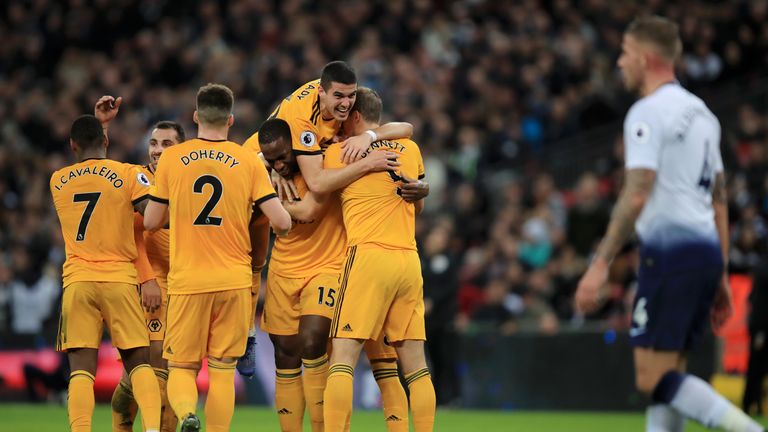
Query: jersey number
{"points": [[329, 297], [705, 179], [91, 198], [205, 218], [396, 178]]}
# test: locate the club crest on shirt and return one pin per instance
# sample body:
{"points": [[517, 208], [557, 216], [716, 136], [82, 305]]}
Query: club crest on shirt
{"points": [[640, 132], [308, 139]]}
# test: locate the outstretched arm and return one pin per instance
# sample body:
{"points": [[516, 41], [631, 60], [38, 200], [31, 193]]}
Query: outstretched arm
{"points": [[324, 181], [354, 148]]}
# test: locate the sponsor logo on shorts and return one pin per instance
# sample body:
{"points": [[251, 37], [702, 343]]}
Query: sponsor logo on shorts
{"points": [[347, 328], [169, 350]]}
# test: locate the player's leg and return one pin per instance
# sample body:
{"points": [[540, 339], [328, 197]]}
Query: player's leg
{"points": [[80, 329], [383, 359], [259, 235], [228, 333], [406, 330], [337, 397], [313, 334], [124, 407], [671, 312], [289, 391], [143, 384], [318, 297], [184, 347]]}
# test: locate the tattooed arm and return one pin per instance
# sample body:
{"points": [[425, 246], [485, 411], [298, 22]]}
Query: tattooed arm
{"points": [[638, 185]]}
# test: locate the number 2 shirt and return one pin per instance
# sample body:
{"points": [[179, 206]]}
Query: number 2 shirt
{"points": [[94, 200], [211, 188]]}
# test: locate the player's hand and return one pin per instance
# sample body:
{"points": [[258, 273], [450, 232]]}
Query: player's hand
{"points": [[381, 161], [286, 189], [588, 294], [413, 190], [354, 148], [106, 108], [151, 298], [722, 307]]}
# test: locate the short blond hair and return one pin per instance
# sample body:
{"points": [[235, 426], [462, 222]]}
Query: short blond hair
{"points": [[214, 104], [659, 32]]}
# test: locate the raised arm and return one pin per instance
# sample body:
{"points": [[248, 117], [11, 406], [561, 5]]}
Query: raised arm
{"points": [[354, 148]]}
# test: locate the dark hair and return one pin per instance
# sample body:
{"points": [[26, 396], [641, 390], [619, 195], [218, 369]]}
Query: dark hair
{"points": [[273, 129], [337, 71], [214, 104], [660, 32], [368, 104], [167, 124], [86, 131]]}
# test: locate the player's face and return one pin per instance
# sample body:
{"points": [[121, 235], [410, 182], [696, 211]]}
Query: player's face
{"points": [[160, 140], [338, 100], [632, 62], [280, 157]]}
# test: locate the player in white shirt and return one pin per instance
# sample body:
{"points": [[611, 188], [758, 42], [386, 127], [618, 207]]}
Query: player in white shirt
{"points": [[674, 196]]}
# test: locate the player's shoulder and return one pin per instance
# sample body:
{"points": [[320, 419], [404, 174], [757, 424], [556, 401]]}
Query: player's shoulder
{"points": [[303, 103]]}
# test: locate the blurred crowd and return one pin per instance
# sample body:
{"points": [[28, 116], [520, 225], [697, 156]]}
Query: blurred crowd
{"points": [[489, 86]]}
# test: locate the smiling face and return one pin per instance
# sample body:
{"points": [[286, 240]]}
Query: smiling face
{"points": [[160, 140], [337, 100], [280, 157]]}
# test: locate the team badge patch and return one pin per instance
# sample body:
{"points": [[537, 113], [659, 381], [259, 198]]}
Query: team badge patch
{"points": [[154, 325], [308, 139], [641, 132], [142, 178]]}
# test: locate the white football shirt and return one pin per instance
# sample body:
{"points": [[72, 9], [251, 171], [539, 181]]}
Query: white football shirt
{"points": [[672, 132]]}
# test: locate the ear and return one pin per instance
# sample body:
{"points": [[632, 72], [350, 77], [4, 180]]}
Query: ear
{"points": [[320, 90], [231, 120], [194, 117], [73, 146]]}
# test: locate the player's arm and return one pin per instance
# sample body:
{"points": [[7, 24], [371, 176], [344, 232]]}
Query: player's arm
{"points": [[156, 215], [722, 307], [277, 215], [308, 208], [259, 233], [151, 297], [324, 181], [638, 185], [106, 110], [355, 147]]}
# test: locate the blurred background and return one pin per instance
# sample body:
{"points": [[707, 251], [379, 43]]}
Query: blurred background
{"points": [[517, 107]]}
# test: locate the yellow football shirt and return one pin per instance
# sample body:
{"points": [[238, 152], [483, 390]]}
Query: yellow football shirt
{"points": [[158, 242], [374, 212], [311, 247], [210, 187], [94, 200], [310, 132]]}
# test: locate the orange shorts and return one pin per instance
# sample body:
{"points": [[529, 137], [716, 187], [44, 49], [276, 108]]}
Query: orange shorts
{"points": [[212, 324], [87, 306], [381, 291], [156, 320], [288, 299], [380, 349]]}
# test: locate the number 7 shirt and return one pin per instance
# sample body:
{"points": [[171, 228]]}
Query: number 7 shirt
{"points": [[94, 200], [211, 188], [374, 213]]}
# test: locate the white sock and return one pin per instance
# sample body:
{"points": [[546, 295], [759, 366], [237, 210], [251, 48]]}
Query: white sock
{"points": [[697, 400], [252, 332], [663, 418]]}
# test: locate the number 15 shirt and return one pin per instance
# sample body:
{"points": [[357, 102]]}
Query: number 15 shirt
{"points": [[211, 188]]}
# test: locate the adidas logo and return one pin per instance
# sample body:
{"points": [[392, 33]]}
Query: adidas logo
{"points": [[394, 418], [321, 403], [169, 350], [284, 411], [347, 328]]}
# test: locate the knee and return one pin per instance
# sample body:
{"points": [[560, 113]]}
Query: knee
{"points": [[314, 345]]}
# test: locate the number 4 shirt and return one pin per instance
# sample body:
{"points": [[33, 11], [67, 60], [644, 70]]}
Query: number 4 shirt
{"points": [[673, 133], [94, 200], [374, 212], [211, 188]]}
